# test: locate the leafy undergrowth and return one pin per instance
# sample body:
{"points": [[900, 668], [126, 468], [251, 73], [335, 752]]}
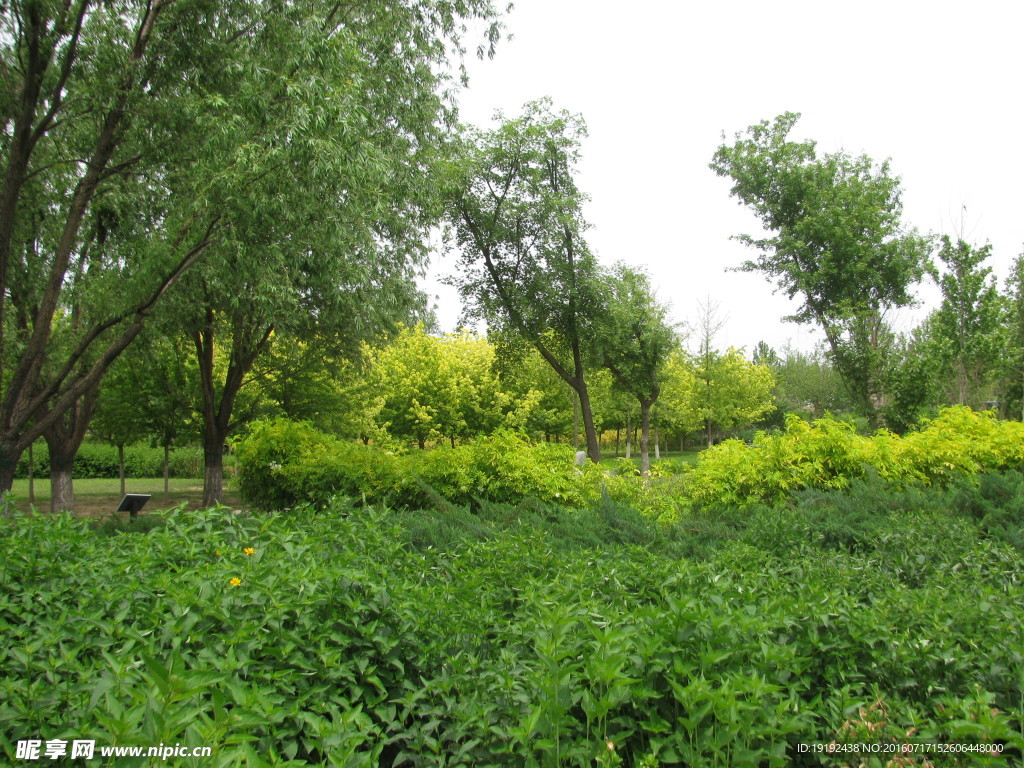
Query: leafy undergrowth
{"points": [[522, 637]]}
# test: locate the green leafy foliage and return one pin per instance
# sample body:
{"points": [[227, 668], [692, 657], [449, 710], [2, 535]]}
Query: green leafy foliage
{"points": [[328, 639], [835, 242]]}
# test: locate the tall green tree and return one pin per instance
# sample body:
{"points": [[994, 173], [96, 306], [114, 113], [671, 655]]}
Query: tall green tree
{"points": [[1012, 388], [137, 137], [966, 327], [102, 113], [524, 265], [345, 105], [834, 241], [636, 340]]}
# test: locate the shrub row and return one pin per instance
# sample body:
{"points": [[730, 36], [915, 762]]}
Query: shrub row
{"points": [[96, 459], [829, 454], [283, 464], [324, 639]]}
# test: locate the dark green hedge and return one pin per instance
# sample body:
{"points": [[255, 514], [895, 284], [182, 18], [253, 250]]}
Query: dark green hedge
{"points": [[97, 459]]}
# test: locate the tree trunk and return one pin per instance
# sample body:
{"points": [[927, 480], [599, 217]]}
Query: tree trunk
{"points": [[593, 449], [62, 490], [629, 435], [64, 437], [618, 432], [707, 426], [575, 422], [167, 472], [31, 477], [10, 452], [7, 470], [217, 424], [213, 470], [645, 439], [120, 465], [657, 446]]}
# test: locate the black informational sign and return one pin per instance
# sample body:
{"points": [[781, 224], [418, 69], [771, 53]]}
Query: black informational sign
{"points": [[133, 502]]}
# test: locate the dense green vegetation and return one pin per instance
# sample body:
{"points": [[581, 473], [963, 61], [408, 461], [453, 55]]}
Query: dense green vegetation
{"points": [[284, 464], [525, 635], [212, 220]]}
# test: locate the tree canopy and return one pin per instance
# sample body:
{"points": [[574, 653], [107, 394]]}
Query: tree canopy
{"points": [[835, 241], [525, 267]]}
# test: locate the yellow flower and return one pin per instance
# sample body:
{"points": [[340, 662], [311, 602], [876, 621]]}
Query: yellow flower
{"points": [[235, 582], [611, 746], [249, 551], [216, 552]]}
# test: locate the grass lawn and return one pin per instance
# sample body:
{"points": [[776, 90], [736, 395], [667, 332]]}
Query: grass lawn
{"points": [[100, 497], [685, 457]]}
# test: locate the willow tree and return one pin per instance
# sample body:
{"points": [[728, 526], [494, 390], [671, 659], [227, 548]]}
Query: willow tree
{"points": [[834, 242], [95, 102], [139, 136], [525, 268], [327, 243]]}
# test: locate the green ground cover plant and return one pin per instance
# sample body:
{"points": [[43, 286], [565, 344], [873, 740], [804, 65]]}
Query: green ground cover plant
{"points": [[339, 637], [282, 464]]}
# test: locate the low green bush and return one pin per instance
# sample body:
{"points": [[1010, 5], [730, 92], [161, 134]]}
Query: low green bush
{"points": [[283, 463]]}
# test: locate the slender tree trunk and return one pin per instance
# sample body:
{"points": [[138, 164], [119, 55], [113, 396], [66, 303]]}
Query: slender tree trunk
{"points": [[618, 432], [682, 442], [707, 427], [657, 446], [167, 472], [645, 439], [593, 449], [120, 465], [217, 424], [31, 476], [629, 435], [575, 422]]}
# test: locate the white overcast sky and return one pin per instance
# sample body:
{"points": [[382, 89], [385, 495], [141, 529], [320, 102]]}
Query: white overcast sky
{"points": [[933, 86]]}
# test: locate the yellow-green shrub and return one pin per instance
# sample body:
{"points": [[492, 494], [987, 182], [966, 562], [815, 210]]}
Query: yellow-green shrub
{"points": [[829, 454], [283, 463]]}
